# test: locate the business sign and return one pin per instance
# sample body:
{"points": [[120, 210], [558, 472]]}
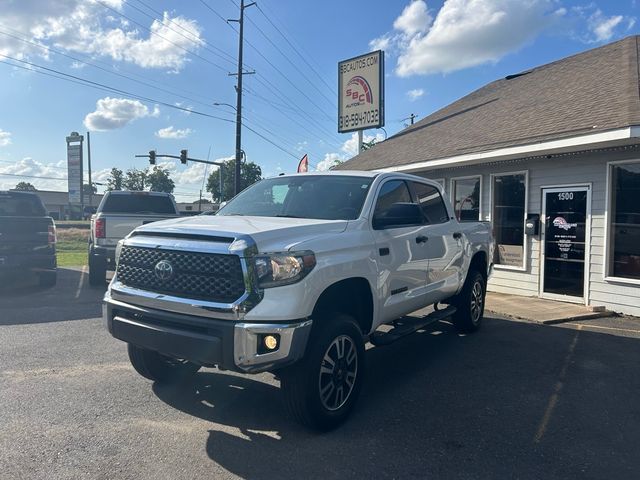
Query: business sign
{"points": [[361, 92], [74, 168]]}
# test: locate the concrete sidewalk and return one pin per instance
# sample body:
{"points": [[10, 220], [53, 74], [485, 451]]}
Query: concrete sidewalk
{"points": [[539, 310]]}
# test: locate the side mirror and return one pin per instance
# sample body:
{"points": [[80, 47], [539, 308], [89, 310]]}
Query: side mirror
{"points": [[398, 215]]}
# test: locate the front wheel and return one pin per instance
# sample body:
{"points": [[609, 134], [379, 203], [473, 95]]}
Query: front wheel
{"points": [[159, 368], [323, 387], [470, 304]]}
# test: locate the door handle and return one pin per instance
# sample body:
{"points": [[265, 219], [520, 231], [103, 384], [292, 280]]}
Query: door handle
{"points": [[457, 235], [421, 239]]}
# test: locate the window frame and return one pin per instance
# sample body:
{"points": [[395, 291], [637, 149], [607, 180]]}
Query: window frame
{"points": [[452, 195], [525, 246], [607, 227]]}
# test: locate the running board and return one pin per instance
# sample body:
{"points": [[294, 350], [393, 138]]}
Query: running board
{"points": [[408, 325]]}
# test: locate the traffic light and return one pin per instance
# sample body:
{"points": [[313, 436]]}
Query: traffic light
{"points": [[152, 157], [183, 157]]}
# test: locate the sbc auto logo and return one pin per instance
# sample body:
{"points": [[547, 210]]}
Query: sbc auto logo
{"points": [[359, 91], [163, 270]]}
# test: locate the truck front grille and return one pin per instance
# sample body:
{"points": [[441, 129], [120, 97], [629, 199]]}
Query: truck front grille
{"points": [[200, 276]]}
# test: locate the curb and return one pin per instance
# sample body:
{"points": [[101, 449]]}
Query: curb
{"points": [[555, 321]]}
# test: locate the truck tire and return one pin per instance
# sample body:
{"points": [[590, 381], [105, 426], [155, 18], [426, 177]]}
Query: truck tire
{"points": [[470, 303], [97, 271], [159, 368], [47, 279], [322, 388]]}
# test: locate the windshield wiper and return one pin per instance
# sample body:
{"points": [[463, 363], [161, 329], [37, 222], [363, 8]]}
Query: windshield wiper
{"points": [[287, 216]]}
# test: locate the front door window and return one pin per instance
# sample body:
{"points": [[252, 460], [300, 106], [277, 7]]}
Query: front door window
{"points": [[565, 220]]}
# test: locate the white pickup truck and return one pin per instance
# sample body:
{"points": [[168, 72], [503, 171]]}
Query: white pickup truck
{"points": [[293, 276], [119, 212]]}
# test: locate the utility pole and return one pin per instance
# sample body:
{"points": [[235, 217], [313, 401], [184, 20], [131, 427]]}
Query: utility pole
{"points": [[241, 72], [89, 165]]}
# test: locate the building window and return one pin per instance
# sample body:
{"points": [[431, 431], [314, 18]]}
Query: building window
{"points": [[466, 198], [509, 196], [624, 226]]}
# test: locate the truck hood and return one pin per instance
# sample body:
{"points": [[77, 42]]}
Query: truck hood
{"points": [[271, 234]]}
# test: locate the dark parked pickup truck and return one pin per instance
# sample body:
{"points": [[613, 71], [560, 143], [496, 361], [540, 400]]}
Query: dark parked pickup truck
{"points": [[27, 237]]}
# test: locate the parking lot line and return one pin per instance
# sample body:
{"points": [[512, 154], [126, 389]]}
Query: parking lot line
{"points": [[81, 281], [553, 400]]}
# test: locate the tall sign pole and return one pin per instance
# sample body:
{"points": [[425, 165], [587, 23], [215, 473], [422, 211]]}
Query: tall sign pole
{"points": [[74, 169], [236, 187], [89, 167]]}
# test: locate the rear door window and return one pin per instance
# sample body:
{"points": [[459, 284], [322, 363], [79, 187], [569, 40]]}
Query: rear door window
{"points": [[21, 205], [431, 203], [138, 204]]}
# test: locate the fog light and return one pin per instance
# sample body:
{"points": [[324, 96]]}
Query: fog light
{"points": [[270, 342]]}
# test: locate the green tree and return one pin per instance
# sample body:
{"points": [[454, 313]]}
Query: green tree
{"points": [[158, 180], [87, 189], [25, 186], [250, 173], [135, 179], [115, 180]]}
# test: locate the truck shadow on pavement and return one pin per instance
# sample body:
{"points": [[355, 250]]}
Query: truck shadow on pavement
{"points": [[437, 404], [23, 301]]}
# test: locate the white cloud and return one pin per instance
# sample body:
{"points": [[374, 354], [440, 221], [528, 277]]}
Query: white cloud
{"points": [[602, 27], [112, 113], [33, 168], [173, 133], [465, 33], [86, 26], [5, 138], [415, 94], [348, 149], [414, 18]]}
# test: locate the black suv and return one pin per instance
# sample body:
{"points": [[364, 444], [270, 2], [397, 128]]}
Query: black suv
{"points": [[27, 236]]}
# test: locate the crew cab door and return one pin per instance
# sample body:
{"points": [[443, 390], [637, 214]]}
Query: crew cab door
{"points": [[401, 255], [443, 247]]}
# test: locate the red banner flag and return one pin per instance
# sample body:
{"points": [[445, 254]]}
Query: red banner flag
{"points": [[303, 166]]}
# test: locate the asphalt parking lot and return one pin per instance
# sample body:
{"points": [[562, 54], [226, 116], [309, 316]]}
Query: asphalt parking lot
{"points": [[515, 400]]}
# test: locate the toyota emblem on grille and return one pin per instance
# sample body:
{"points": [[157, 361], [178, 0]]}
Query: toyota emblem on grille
{"points": [[163, 270]]}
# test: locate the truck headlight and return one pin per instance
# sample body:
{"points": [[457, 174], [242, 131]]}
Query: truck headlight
{"points": [[276, 269]]}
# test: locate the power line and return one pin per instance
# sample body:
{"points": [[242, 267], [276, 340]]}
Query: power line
{"points": [[100, 86], [196, 40], [113, 89], [266, 83], [160, 36], [76, 59], [295, 49], [301, 72]]}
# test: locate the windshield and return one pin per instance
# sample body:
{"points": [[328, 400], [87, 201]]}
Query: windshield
{"points": [[138, 203], [21, 205], [324, 197]]}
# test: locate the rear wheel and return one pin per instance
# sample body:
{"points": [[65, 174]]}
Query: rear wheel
{"points": [[470, 303], [159, 368], [323, 387], [97, 270], [47, 279]]}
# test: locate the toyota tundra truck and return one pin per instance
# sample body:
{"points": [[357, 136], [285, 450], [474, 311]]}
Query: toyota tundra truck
{"points": [[293, 276]]}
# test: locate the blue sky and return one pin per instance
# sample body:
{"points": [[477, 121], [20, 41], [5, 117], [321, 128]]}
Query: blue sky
{"points": [[435, 52]]}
